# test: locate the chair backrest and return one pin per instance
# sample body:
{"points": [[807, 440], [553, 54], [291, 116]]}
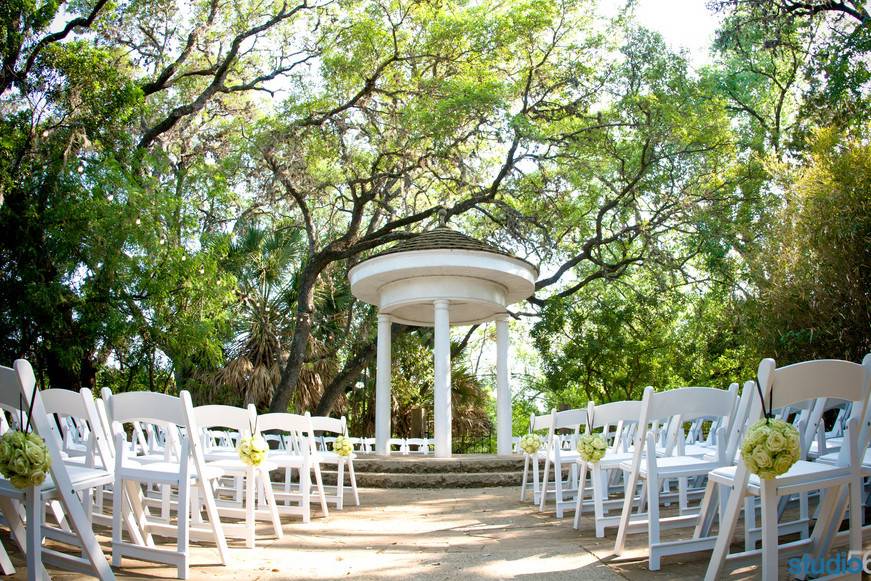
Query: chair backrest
{"points": [[680, 405], [689, 403], [80, 405], [297, 427], [822, 378], [610, 414], [738, 423], [146, 406], [174, 414], [226, 416], [327, 424], [539, 422]]}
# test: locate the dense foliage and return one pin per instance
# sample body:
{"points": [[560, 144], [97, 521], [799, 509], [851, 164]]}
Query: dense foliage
{"points": [[185, 185]]}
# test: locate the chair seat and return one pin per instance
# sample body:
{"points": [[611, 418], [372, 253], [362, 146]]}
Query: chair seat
{"points": [[699, 450], [675, 466], [612, 459], [237, 467], [800, 471], [330, 457], [283, 459], [81, 477], [164, 471], [832, 458], [565, 456], [831, 444]]}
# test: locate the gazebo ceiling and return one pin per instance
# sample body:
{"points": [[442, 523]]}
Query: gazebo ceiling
{"points": [[478, 280]]}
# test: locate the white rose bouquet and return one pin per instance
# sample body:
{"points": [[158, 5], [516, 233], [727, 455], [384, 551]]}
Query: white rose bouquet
{"points": [[252, 450], [343, 446], [770, 448], [530, 443], [592, 447], [24, 458]]}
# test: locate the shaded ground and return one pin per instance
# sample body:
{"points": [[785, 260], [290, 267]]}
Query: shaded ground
{"points": [[427, 534]]}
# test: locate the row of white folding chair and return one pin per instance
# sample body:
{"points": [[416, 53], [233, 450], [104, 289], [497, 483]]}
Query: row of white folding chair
{"points": [[652, 470], [298, 453], [337, 426], [186, 471], [63, 484], [618, 415], [255, 479], [840, 484]]}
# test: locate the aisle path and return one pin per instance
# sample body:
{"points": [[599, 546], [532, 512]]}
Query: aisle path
{"points": [[425, 534]]}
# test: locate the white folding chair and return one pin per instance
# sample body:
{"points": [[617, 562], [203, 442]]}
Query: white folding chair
{"points": [[251, 479], [646, 466], [186, 471], [617, 415], [418, 446], [301, 455], [62, 484], [559, 452], [781, 387], [339, 427]]}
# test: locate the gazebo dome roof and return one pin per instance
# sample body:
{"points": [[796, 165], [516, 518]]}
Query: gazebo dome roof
{"points": [[477, 279], [442, 238]]}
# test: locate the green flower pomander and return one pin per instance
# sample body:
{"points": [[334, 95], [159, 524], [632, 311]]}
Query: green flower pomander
{"points": [[24, 458], [592, 447], [253, 450], [343, 446], [530, 443], [770, 448]]}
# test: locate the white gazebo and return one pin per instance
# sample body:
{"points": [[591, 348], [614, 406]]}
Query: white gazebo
{"points": [[437, 279]]}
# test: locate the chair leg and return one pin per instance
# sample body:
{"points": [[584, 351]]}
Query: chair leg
{"points": [[269, 498], [525, 474], [653, 489], [601, 484], [340, 485], [214, 519], [353, 478], [749, 522], [183, 514], [536, 483], [769, 529], [305, 486], [682, 486], [544, 483], [117, 510], [33, 531], [5, 563], [558, 488], [579, 501], [856, 511], [706, 510], [320, 482], [728, 521], [250, 506]]}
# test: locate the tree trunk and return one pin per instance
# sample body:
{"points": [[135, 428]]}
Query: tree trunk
{"points": [[299, 344], [347, 376]]}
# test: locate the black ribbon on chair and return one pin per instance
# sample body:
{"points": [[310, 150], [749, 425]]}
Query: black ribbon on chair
{"points": [[768, 414]]}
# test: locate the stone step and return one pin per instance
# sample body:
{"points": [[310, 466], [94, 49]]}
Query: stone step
{"points": [[430, 465], [461, 471], [432, 479]]}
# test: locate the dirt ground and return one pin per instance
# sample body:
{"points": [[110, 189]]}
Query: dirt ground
{"points": [[482, 533]]}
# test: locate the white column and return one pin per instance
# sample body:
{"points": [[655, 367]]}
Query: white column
{"points": [[442, 393], [503, 389], [382, 387]]}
